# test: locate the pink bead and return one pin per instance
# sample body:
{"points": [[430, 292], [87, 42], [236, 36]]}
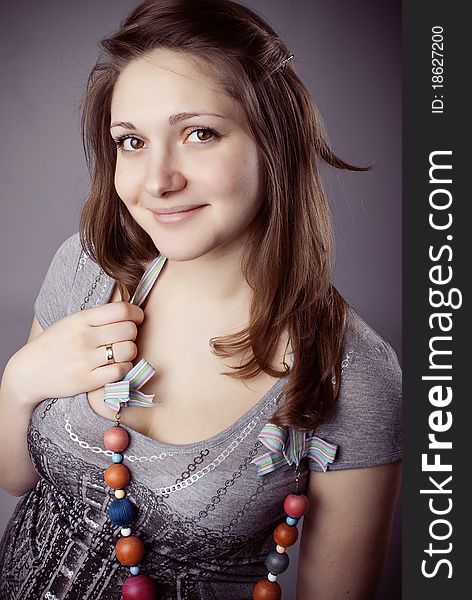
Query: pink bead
{"points": [[116, 439], [139, 587], [296, 505]]}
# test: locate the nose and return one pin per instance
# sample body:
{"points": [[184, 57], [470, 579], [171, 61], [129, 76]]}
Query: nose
{"points": [[163, 174]]}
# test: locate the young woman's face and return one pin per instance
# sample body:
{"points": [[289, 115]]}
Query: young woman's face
{"points": [[183, 143]]}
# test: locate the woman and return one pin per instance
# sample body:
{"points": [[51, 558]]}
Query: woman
{"points": [[204, 147]]}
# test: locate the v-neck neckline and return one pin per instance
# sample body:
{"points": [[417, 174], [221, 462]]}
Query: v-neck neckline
{"points": [[145, 285], [83, 405]]}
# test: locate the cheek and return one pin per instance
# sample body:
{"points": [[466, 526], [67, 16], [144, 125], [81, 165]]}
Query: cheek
{"points": [[250, 175], [247, 182], [126, 182], [237, 176]]}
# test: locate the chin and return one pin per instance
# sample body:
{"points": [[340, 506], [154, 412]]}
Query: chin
{"points": [[182, 252]]}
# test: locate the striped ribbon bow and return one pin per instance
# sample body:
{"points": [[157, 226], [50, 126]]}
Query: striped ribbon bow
{"points": [[289, 447], [126, 392]]}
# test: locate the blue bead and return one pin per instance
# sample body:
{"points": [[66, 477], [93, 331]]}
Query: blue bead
{"points": [[117, 457], [122, 512], [277, 563], [135, 570], [291, 521]]}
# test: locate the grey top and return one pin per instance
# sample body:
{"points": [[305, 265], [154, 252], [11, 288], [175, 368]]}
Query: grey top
{"points": [[209, 537]]}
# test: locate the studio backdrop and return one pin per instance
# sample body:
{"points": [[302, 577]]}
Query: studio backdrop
{"points": [[349, 56]]}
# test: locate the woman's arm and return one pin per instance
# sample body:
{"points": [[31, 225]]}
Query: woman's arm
{"points": [[17, 473], [346, 532]]}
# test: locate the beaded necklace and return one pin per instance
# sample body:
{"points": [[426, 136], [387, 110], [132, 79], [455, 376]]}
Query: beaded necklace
{"points": [[283, 447]]}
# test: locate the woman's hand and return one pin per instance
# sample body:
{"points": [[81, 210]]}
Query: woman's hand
{"points": [[346, 531], [69, 357]]}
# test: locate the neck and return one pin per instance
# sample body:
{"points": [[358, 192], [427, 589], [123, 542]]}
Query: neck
{"points": [[215, 277]]}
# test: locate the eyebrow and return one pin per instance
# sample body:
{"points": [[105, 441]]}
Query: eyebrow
{"points": [[173, 119]]}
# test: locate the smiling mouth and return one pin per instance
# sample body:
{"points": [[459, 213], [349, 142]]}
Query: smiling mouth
{"points": [[176, 214], [177, 209]]}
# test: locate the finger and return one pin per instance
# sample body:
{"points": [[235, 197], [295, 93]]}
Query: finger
{"points": [[109, 374], [114, 312], [122, 352], [103, 335]]}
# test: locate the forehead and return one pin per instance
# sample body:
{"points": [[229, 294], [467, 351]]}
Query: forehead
{"points": [[167, 80]]}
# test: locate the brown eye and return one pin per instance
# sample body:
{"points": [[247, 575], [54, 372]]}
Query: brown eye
{"points": [[134, 143], [129, 143], [202, 134]]}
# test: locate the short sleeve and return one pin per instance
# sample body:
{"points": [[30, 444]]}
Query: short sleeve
{"points": [[367, 422], [53, 298]]}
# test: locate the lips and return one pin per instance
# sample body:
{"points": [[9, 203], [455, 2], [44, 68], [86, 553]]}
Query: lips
{"points": [[176, 209], [176, 214]]}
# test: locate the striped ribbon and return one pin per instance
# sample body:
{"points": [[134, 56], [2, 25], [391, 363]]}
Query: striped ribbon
{"points": [[126, 392], [290, 446], [147, 280]]}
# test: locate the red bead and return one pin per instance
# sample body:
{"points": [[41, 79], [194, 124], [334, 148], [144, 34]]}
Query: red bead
{"points": [[130, 550], [296, 505], [285, 535], [117, 476], [116, 439], [139, 587], [267, 590]]}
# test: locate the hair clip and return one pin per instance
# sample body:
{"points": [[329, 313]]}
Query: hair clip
{"points": [[285, 61]]}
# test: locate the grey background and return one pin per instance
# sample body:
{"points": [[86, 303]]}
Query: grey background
{"points": [[348, 54]]}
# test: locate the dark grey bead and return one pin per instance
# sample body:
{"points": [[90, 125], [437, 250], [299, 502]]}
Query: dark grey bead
{"points": [[277, 563]]}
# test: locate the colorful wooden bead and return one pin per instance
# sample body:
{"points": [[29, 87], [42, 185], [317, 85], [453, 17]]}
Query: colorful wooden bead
{"points": [[120, 494], [117, 476], [139, 587], [296, 505], [117, 457], [277, 563], [267, 590], [122, 512], [291, 521], [285, 535], [130, 550], [116, 439], [280, 549]]}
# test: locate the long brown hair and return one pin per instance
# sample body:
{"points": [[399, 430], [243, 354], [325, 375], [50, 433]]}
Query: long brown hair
{"points": [[288, 259]]}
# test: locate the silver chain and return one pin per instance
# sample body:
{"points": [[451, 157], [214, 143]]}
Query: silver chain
{"points": [[193, 478]]}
